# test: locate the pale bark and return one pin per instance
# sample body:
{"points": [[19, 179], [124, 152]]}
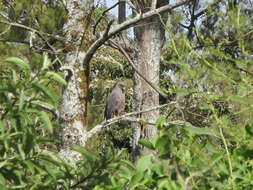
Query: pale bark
{"points": [[73, 109], [116, 29], [150, 37]]}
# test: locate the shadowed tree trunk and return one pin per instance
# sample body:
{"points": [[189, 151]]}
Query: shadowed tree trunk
{"points": [[73, 105], [122, 11], [150, 36]]}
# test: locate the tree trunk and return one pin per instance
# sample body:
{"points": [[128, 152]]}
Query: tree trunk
{"points": [[150, 36], [73, 105], [121, 11]]}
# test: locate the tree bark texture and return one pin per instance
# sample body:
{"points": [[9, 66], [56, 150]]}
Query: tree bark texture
{"points": [[150, 36], [73, 105]]}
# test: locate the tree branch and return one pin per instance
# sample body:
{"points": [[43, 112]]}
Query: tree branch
{"points": [[34, 30], [131, 5], [102, 16], [47, 108], [120, 27], [106, 123], [15, 41], [35, 47], [108, 29]]}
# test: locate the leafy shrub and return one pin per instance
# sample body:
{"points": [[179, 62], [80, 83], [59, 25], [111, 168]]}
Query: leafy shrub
{"points": [[26, 128]]}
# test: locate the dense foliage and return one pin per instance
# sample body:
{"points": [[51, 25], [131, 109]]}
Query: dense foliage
{"points": [[218, 156], [204, 141]]}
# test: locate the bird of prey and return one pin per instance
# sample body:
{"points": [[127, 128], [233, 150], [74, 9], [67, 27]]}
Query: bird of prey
{"points": [[115, 103]]}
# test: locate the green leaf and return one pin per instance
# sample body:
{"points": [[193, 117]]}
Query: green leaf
{"points": [[158, 168], [21, 100], [2, 180], [56, 77], [160, 122], [29, 142], [146, 143], [135, 179], [128, 163], [43, 104], [45, 91], [47, 123], [165, 154], [161, 142], [241, 100], [126, 172], [163, 183], [88, 155], [211, 148], [113, 181], [20, 63], [3, 187], [200, 131], [144, 163], [30, 165], [14, 76], [51, 157], [249, 128], [21, 151], [2, 128], [3, 163], [185, 92]]}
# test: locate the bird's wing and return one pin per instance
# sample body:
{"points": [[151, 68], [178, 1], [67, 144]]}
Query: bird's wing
{"points": [[112, 103], [115, 98], [121, 104]]}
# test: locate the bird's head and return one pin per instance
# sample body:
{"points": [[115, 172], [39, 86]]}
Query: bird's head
{"points": [[121, 85]]}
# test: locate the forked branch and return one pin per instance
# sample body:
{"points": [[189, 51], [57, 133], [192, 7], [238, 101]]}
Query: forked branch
{"points": [[120, 27]]}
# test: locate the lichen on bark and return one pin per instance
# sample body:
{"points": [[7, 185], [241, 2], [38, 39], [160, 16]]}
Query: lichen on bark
{"points": [[73, 105]]}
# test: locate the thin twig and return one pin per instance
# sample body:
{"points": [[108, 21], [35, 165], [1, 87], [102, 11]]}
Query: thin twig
{"points": [[4, 16], [102, 16], [108, 28], [120, 27], [14, 41], [5, 31], [46, 108], [187, 180], [131, 5], [14, 24]]}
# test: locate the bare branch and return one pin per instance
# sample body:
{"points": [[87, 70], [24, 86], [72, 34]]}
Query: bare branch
{"points": [[120, 27], [187, 180], [5, 31], [4, 16], [34, 30], [102, 16], [14, 41], [108, 28], [131, 5], [47, 108], [109, 122]]}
